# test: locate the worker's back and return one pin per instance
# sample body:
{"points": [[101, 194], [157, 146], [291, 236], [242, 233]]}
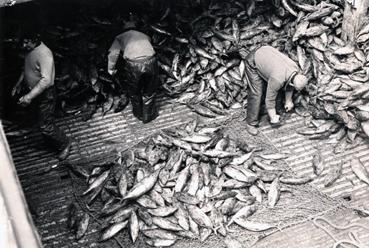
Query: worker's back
{"points": [[135, 44]]}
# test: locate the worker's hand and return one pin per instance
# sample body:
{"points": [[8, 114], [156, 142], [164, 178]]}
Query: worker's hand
{"points": [[275, 119], [288, 106], [25, 100], [112, 72], [16, 90]]}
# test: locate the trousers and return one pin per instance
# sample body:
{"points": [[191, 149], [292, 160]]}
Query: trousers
{"points": [[44, 106], [141, 79], [256, 90]]}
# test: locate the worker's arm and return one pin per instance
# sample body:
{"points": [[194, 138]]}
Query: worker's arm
{"points": [[288, 103], [46, 65], [270, 99], [17, 87], [113, 56]]}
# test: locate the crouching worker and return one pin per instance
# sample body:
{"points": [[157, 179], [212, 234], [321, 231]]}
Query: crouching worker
{"points": [[139, 71], [38, 80], [270, 71]]}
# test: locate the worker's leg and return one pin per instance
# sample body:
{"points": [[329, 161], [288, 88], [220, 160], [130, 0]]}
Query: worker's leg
{"points": [[132, 72], [150, 83], [46, 121], [254, 97]]}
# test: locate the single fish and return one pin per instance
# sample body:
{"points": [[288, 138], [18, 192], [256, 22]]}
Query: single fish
{"points": [[243, 213], [143, 186], [199, 216], [82, 226], [253, 226], [161, 242], [113, 230], [333, 174], [359, 170], [98, 182], [159, 234], [318, 165], [134, 226], [187, 199], [162, 211], [274, 193], [166, 224]]}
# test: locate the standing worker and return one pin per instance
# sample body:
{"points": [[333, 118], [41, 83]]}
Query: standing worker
{"points": [[38, 80], [139, 70], [271, 71]]}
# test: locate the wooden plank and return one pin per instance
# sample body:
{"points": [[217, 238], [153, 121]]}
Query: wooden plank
{"points": [[5, 3], [352, 19], [14, 200]]}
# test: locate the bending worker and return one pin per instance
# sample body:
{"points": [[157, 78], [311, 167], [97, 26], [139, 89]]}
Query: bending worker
{"points": [[271, 71], [38, 78], [139, 70]]}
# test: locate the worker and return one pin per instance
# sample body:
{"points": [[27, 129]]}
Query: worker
{"points": [[139, 72], [37, 78], [269, 71]]}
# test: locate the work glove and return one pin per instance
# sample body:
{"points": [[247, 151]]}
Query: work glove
{"points": [[275, 119], [25, 101], [288, 106]]}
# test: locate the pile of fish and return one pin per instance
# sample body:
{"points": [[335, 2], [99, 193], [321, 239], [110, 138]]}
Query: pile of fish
{"points": [[338, 72], [185, 183], [205, 68], [200, 54]]}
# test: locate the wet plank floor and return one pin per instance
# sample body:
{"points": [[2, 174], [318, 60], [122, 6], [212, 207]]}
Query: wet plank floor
{"points": [[48, 190]]}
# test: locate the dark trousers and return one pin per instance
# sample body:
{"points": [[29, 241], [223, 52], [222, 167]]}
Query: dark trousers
{"points": [[256, 90], [141, 79], [44, 106]]}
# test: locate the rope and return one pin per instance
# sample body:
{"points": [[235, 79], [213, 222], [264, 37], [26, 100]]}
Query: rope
{"points": [[339, 242]]}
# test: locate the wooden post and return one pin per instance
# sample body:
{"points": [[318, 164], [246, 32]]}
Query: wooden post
{"points": [[4, 3], [353, 18]]}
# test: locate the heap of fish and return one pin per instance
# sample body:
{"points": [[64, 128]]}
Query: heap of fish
{"points": [[200, 56], [205, 67], [185, 183], [338, 72]]}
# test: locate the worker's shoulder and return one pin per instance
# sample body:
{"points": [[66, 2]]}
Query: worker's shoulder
{"points": [[44, 51]]}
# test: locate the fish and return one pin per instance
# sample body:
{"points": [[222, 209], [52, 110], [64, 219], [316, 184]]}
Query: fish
{"points": [[98, 182], [318, 165], [159, 234], [296, 180], [144, 216], [273, 156], [205, 234], [161, 242], [199, 216], [187, 199], [253, 226], [193, 184], [256, 192], [112, 230], [197, 138], [242, 213], [359, 170], [241, 159], [82, 226], [134, 226], [166, 224], [227, 206], [182, 179], [274, 193], [146, 202], [219, 154], [162, 211], [143, 186], [333, 174]]}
